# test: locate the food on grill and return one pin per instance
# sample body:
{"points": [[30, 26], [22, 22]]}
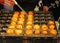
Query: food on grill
{"points": [[21, 19], [30, 16], [29, 32], [51, 23], [15, 15], [29, 20], [29, 27], [29, 23], [37, 32], [52, 27], [32, 24], [19, 26], [16, 12], [30, 12], [22, 12], [53, 32], [20, 22], [13, 23], [18, 32], [10, 31], [11, 26], [44, 27], [36, 27], [14, 19], [44, 33], [21, 16]]}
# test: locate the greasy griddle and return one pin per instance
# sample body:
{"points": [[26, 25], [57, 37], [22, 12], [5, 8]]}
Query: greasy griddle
{"points": [[41, 17]]}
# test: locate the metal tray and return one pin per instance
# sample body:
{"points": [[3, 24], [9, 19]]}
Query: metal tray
{"points": [[38, 19]]}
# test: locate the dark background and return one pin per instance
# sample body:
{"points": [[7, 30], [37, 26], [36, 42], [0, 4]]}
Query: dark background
{"points": [[56, 10]]}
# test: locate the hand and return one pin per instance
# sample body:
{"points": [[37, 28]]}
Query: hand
{"points": [[1, 1], [9, 3]]}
